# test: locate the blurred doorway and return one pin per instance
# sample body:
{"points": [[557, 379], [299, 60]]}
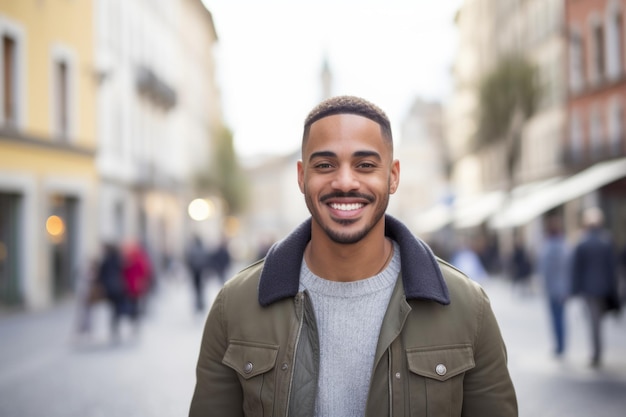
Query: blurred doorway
{"points": [[10, 293], [61, 226]]}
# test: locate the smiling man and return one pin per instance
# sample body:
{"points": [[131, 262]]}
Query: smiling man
{"points": [[351, 315]]}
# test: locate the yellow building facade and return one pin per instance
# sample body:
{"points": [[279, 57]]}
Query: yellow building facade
{"points": [[48, 177]]}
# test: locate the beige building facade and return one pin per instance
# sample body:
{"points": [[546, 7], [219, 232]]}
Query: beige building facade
{"points": [[48, 178]]}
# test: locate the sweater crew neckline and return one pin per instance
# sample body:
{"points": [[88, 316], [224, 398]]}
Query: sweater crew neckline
{"points": [[352, 289]]}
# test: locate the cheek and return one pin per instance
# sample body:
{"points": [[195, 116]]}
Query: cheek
{"points": [[310, 185]]}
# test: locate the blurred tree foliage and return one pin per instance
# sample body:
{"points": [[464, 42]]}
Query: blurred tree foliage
{"points": [[225, 175], [511, 90]]}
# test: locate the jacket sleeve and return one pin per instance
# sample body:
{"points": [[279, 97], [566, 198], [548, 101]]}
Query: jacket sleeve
{"points": [[218, 391], [488, 389]]}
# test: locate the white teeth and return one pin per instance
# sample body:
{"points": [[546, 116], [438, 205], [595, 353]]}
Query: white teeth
{"points": [[346, 207]]}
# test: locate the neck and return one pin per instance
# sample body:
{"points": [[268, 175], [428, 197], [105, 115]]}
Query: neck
{"points": [[348, 262]]}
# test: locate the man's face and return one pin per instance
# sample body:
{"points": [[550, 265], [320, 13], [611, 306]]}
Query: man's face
{"points": [[346, 175]]}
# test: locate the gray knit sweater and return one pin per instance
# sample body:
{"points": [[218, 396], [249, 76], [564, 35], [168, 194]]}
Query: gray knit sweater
{"points": [[349, 316]]}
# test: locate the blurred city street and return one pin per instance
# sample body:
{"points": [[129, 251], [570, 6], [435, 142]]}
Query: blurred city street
{"points": [[144, 144], [44, 370], [548, 387]]}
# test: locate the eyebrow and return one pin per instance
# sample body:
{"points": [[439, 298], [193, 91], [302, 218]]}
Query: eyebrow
{"points": [[357, 154]]}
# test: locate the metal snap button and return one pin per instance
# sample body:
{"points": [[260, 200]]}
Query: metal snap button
{"points": [[285, 366], [247, 368], [441, 369], [397, 375]]}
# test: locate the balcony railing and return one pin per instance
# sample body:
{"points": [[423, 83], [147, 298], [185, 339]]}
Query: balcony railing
{"points": [[149, 84], [605, 150]]}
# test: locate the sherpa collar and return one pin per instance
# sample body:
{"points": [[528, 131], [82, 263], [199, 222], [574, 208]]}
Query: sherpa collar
{"points": [[421, 275]]}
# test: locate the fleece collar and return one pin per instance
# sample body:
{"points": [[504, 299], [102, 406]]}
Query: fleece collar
{"points": [[421, 276]]}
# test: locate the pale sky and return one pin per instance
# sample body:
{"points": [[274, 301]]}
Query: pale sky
{"points": [[270, 56]]}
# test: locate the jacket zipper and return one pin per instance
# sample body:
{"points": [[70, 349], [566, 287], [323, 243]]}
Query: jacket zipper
{"points": [[299, 298], [390, 382]]}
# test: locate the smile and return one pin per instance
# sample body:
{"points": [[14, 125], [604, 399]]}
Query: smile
{"points": [[346, 207]]}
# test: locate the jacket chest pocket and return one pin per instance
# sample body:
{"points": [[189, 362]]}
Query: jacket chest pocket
{"points": [[436, 379], [254, 364]]}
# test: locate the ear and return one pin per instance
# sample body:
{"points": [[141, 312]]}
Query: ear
{"points": [[300, 168], [394, 179]]}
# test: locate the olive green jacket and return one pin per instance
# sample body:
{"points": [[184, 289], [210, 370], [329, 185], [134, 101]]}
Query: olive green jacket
{"points": [[440, 351]]}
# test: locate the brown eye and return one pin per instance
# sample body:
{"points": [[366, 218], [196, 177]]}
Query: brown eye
{"points": [[323, 165]]}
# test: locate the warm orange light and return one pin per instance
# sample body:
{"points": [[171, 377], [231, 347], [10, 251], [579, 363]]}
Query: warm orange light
{"points": [[232, 225], [55, 226]]}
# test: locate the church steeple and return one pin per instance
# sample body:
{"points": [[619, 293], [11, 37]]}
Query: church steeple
{"points": [[326, 77]]}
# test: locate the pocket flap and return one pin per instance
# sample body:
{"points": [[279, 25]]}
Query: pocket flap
{"points": [[440, 363], [250, 359]]}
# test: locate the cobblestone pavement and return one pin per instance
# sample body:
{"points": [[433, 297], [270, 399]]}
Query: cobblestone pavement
{"points": [[46, 371]]}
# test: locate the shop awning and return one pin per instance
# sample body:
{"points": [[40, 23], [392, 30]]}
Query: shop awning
{"points": [[433, 219], [521, 210], [472, 212]]}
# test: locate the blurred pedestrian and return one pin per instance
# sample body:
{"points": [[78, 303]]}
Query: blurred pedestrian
{"points": [[89, 291], [520, 266], [621, 278], [220, 260], [196, 261], [594, 275], [490, 255], [137, 273], [554, 272], [111, 279], [468, 261], [351, 314]]}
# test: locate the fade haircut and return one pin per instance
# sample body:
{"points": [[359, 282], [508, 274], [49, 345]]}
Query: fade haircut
{"points": [[349, 105]]}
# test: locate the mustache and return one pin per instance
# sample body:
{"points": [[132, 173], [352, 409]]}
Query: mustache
{"points": [[339, 194]]}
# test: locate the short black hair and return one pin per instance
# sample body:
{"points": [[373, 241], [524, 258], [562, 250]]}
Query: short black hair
{"points": [[350, 105]]}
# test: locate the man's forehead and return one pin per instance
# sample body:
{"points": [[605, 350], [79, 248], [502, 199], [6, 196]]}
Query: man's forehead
{"points": [[344, 129], [347, 137]]}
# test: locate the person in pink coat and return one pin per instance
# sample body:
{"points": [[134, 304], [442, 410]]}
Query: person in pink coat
{"points": [[137, 273]]}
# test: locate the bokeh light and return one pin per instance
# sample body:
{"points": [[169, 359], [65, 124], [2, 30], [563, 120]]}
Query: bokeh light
{"points": [[201, 209], [55, 226]]}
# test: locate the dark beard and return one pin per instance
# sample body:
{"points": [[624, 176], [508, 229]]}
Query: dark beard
{"points": [[345, 238]]}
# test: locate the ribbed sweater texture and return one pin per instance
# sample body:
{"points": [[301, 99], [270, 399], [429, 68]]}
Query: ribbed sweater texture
{"points": [[349, 317]]}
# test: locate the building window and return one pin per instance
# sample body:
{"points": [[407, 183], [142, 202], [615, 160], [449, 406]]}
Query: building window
{"points": [[62, 98], [12, 70], [616, 126], [615, 42], [575, 62], [599, 68], [9, 98], [61, 105], [576, 137], [595, 132], [118, 220]]}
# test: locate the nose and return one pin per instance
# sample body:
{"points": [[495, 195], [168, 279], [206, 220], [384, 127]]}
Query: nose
{"points": [[345, 179]]}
